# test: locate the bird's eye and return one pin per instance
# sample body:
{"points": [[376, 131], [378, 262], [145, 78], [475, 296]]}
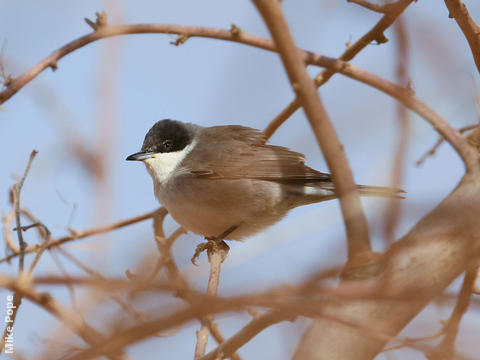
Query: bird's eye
{"points": [[167, 144]]}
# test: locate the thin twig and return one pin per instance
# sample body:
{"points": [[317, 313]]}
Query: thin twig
{"points": [[166, 258], [439, 142], [76, 234], [17, 296], [7, 227], [5, 78], [253, 328], [96, 275], [408, 342], [446, 349], [43, 246], [397, 175], [7, 221], [373, 7], [17, 188], [217, 335], [70, 286], [164, 247]]}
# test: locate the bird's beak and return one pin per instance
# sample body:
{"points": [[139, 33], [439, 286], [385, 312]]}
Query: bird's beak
{"points": [[140, 156]]}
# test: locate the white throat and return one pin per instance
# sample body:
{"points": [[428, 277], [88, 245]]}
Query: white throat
{"points": [[162, 166]]}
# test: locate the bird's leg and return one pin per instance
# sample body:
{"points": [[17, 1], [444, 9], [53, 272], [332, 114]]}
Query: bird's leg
{"points": [[214, 244]]}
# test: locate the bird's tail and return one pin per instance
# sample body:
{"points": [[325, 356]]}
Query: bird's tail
{"points": [[380, 191], [323, 192]]}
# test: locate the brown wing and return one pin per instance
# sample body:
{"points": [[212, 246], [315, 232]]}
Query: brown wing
{"points": [[237, 152]]}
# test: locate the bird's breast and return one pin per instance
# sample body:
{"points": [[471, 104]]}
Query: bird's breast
{"points": [[209, 207]]}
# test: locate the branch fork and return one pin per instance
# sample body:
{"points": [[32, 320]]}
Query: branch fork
{"points": [[100, 21]]}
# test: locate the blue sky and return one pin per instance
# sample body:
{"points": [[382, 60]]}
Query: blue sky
{"points": [[136, 80]]}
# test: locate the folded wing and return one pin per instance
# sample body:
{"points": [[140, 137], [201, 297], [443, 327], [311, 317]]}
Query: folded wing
{"points": [[237, 152]]}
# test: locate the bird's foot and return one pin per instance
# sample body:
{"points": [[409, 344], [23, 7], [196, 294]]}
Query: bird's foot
{"points": [[212, 245]]}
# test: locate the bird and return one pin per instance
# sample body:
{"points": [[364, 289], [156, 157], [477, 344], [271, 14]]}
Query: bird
{"points": [[225, 182]]}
